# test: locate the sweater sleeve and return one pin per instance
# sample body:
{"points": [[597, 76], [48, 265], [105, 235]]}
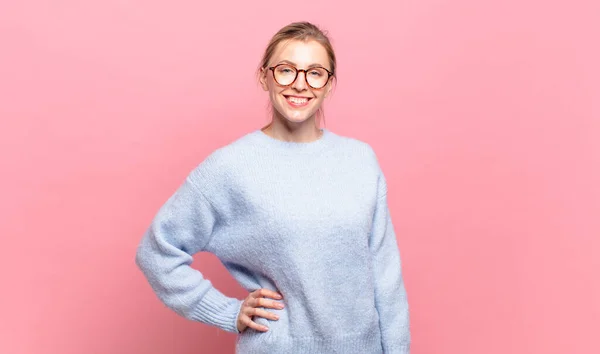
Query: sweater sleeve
{"points": [[390, 294], [182, 227]]}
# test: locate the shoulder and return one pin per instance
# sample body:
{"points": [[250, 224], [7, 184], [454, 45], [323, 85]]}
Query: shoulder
{"points": [[220, 162], [361, 150], [367, 159]]}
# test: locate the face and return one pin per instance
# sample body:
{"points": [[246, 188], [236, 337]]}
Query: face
{"points": [[297, 102]]}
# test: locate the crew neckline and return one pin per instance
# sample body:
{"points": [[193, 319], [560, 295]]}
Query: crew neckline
{"points": [[294, 146]]}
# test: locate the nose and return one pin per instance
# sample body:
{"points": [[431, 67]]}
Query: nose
{"points": [[300, 83]]}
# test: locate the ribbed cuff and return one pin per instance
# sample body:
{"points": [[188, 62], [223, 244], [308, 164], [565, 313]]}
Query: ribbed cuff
{"points": [[218, 310]]}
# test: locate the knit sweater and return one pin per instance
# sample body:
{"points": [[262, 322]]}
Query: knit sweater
{"points": [[309, 220]]}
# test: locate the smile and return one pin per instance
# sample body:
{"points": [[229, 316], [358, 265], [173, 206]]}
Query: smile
{"points": [[296, 101]]}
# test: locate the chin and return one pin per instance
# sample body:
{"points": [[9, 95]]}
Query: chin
{"points": [[296, 116], [297, 119]]}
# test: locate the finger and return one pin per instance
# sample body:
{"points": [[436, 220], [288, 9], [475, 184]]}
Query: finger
{"points": [[249, 323], [265, 314], [270, 293], [263, 292], [262, 302]]}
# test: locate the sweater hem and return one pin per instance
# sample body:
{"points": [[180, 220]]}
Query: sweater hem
{"points": [[396, 349], [356, 343]]}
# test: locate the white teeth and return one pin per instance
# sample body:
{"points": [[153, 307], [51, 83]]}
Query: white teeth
{"points": [[297, 100]]}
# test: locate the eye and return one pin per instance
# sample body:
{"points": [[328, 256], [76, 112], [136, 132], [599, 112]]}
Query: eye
{"points": [[316, 73], [285, 70]]}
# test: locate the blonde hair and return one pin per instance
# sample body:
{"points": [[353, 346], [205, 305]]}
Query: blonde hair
{"points": [[302, 31]]}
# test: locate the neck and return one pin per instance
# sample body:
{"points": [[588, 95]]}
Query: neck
{"points": [[303, 132]]}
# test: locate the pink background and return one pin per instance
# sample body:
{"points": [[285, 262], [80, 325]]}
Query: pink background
{"points": [[485, 117]]}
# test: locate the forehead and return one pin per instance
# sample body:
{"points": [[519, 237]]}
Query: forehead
{"points": [[302, 53]]}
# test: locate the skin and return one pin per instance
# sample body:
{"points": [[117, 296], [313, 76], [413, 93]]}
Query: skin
{"points": [[258, 298], [289, 123]]}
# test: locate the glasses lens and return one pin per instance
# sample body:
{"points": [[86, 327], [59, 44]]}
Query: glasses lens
{"points": [[284, 74], [317, 77]]}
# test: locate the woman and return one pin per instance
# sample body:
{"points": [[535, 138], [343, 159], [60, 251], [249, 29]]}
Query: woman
{"points": [[298, 215]]}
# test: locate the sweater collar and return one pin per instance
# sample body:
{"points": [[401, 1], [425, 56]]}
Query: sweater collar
{"points": [[292, 146]]}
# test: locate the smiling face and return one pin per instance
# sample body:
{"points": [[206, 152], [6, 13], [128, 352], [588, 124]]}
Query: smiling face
{"points": [[297, 102]]}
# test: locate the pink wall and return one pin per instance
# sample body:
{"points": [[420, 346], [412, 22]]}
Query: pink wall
{"points": [[485, 116]]}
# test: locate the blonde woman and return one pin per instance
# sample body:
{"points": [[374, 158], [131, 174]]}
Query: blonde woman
{"points": [[298, 215]]}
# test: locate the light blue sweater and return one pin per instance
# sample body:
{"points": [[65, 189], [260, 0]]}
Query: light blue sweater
{"points": [[309, 220]]}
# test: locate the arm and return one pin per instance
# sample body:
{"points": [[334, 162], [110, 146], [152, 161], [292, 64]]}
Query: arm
{"points": [[182, 227], [390, 294]]}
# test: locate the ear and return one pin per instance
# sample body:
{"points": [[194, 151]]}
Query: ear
{"points": [[263, 79]]}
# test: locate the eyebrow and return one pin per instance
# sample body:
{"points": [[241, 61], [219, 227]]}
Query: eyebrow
{"points": [[294, 64]]}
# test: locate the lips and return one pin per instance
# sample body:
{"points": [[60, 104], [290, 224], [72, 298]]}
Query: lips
{"points": [[297, 101]]}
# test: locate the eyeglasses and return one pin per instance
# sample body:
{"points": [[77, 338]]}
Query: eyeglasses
{"points": [[286, 74]]}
